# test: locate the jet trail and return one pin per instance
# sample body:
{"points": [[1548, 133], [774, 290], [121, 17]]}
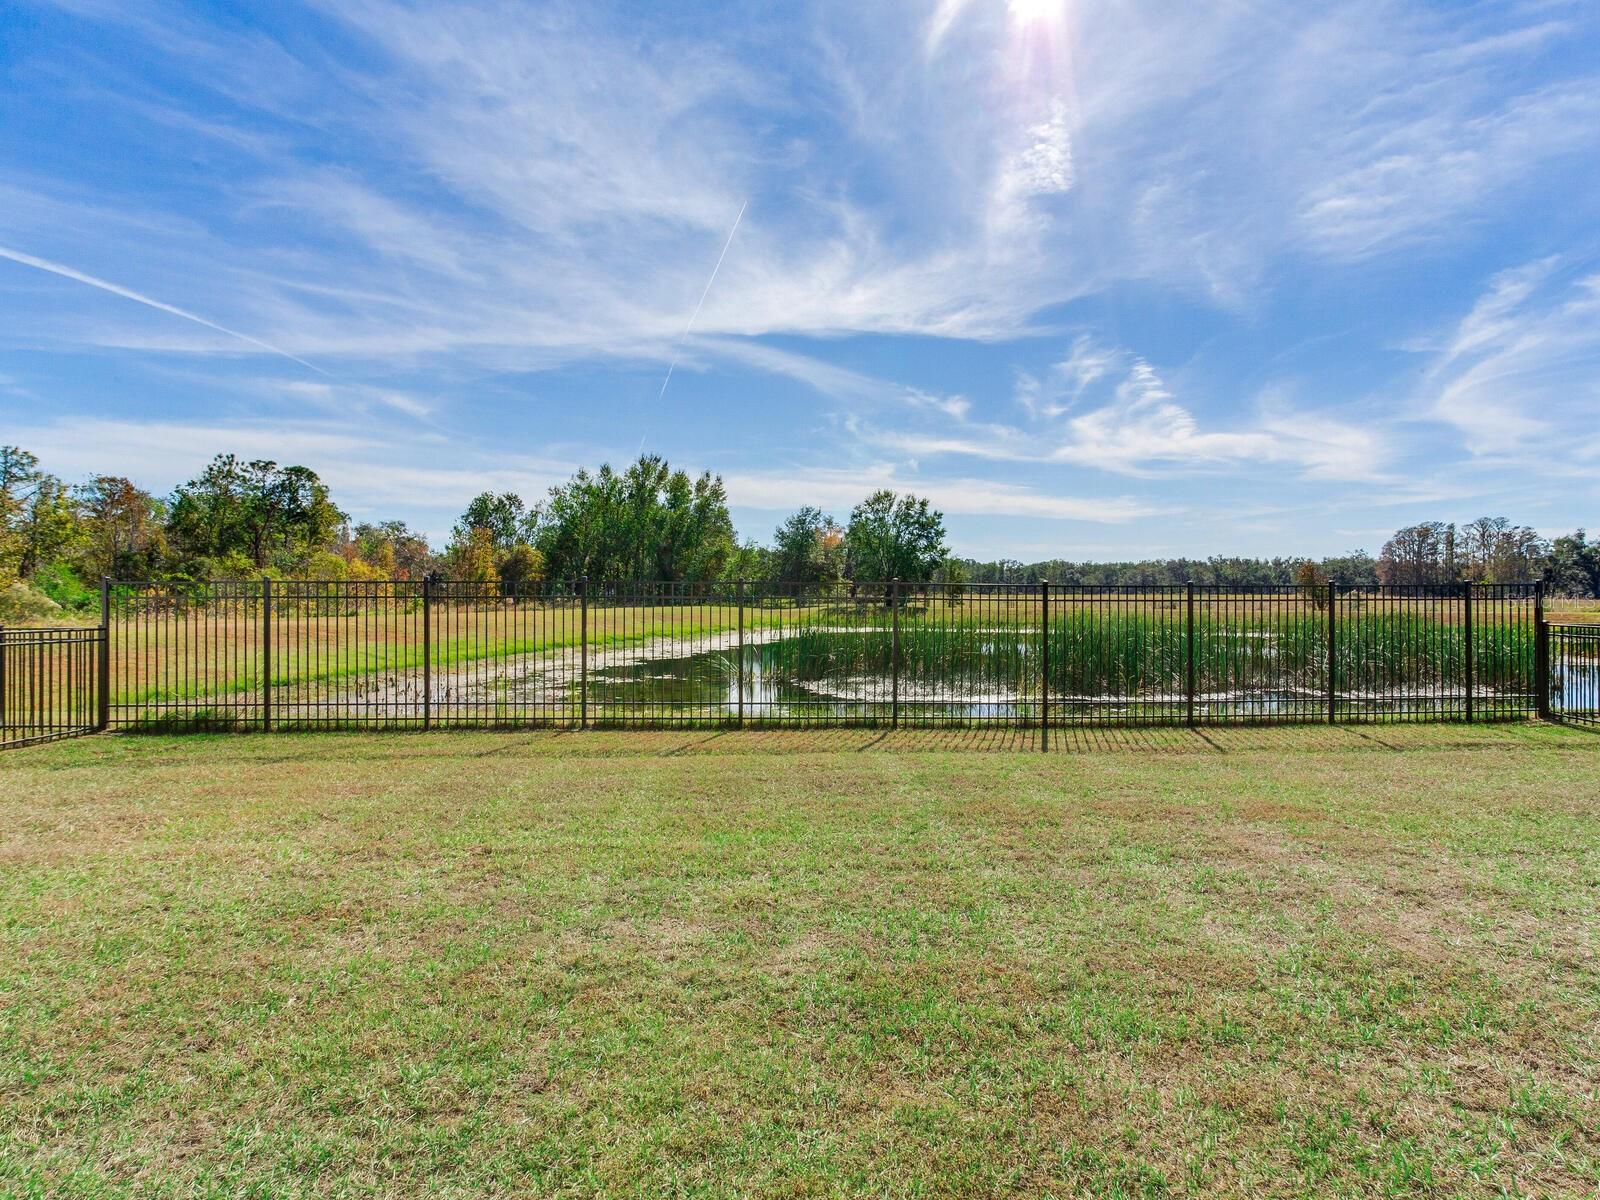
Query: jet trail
{"points": [[694, 316], [54, 268]]}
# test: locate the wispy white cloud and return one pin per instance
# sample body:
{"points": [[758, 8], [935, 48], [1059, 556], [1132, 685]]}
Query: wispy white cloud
{"points": [[1521, 371], [839, 489], [1141, 428], [531, 190]]}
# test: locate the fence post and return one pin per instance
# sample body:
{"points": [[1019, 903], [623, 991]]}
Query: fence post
{"points": [[1541, 655], [1466, 590], [740, 660], [266, 654], [427, 651], [1333, 687], [894, 654], [1044, 665], [4, 654], [583, 651], [103, 715], [1188, 691]]}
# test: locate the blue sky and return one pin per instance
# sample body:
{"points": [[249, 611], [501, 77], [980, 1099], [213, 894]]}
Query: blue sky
{"points": [[1104, 280]]}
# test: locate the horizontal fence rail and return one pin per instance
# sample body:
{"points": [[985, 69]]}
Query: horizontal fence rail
{"points": [[1573, 654], [50, 684], [269, 654]]}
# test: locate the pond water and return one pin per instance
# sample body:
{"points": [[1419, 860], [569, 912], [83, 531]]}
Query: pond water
{"points": [[774, 685], [1578, 687]]}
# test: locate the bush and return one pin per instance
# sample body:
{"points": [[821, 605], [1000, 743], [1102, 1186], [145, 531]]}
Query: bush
{"points": [[61, 583], [19, 602]]}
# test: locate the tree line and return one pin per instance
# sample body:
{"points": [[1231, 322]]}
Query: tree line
{"points": [[240, 519], [1487, 550]]}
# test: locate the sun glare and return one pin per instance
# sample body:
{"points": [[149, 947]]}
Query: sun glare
{"points": [[1029, 12]]}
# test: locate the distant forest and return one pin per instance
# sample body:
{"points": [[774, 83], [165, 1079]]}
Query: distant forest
{"points": [[239, 519]]}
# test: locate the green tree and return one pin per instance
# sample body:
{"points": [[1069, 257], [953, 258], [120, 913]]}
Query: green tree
{"points": [[647, 523], [19, 474], [273, 516], [504, 516], [1419, 554], [750, 561], [38, 520], [894, 537], [1575, 565], [809, 548], [50, 530]]}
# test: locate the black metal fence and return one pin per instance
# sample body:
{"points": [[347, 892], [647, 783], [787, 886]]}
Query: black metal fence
{"points": [[1572, 653], [421, 654], [50, 684]]}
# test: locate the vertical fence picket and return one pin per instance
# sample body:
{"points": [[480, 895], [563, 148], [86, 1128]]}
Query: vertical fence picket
{"points": [[894, 654], [1044, 665], [1189, 664], [1333, 661], [103, 666], [427, 651], [1541, 655], [583, 652], [739, 661], [266, 654]]}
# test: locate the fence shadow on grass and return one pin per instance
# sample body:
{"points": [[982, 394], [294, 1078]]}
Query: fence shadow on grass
{"points": [[1213, 740]]}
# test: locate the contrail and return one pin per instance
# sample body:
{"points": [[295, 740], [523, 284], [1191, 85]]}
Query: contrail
{"points": [[694, 316], [44, 264]]}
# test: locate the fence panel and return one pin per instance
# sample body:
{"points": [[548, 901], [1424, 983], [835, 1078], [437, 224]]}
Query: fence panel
{"points": [[346, 652], [443, 653], [187, 655], [818, 654], [1504, 651], [1261, 654], [664, 654], [1400, 653], [967, 655], [1118, 655], [1574, 652], [507, 656], [49, 684]]}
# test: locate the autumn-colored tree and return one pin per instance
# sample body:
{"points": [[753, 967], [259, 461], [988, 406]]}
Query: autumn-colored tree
{"points": [[124, 534], [1313, 583], [521, 570], [472, 559]]}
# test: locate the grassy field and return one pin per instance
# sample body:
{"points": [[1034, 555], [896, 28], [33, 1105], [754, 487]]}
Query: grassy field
{"points": [[1298, 962]]}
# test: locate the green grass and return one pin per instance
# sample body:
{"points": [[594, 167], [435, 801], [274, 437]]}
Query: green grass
{"points": [[200, 653], [1304, 962]]}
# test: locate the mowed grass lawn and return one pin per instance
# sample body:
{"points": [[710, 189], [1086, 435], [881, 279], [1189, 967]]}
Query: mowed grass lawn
{"points": [[1314, 962]]}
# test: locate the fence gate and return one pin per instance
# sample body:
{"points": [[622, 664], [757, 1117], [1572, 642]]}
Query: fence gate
{"points": [[1573, 655], [52, 684]]}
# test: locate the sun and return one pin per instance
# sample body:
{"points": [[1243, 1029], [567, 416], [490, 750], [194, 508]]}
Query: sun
{"points": [[1030, 12]]}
